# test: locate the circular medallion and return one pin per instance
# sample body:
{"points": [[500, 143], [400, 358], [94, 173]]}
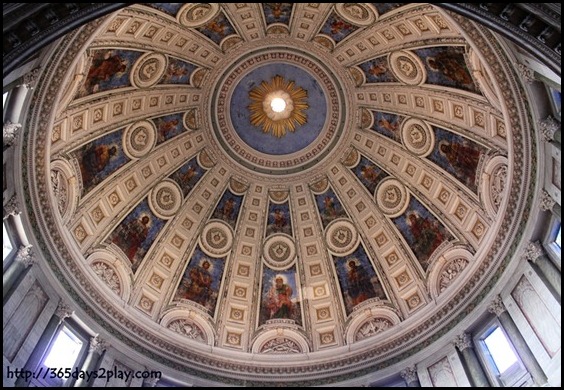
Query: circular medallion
{"points": [[392, 197], [165, 199], [148, 70], [279, 251], [407, 67], [139, 139], [216, 239], [198, 14], [342, 237], [293, 134], [418, 137], [356, 13]]}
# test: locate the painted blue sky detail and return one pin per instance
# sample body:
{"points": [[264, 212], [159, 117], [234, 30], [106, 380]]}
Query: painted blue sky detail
{"points": [[382, 8], [277, 12], [422, 231], [169, 126], [329, 206], [228, 208], [337, 28], [458, 156], [292, 141], [217, 29], [282, 301], [446, 66], [177, 72], [109, 69], [168, 8], [378, 70], [201, 280], [188, 175], [99, 159], [279, 219], [135, 234], [357, 279], [370, 174], [388, 125]]}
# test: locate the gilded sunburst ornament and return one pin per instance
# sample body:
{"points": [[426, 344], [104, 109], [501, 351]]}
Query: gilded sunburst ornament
{"points": [[278, 106]]}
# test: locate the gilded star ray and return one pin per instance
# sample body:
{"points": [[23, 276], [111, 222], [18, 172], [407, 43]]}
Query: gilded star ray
{"points": [[278, 125]]}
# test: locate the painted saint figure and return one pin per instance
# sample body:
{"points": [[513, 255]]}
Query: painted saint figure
{"points": [[279, 299], [94, 160], [428, 234], [102, 69], [228, 209], [359, 286], [198, 286], [463, 158], [131, 236], [452, 67]]}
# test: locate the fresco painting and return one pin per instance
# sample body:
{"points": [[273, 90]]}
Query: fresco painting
{"points": [[168, 8], [217, 29], [188, 175], [201, 280], [337, 28], [135, 234], [329, 206], [378, 70], [458, 156], [279, 219], [177, 72], [446, 66], [277, 12], [279, 296], [389, 125], [422, 231], [382, 8], [370, 174], [99, 159], [357, 279], [228, 208], [109, 69], [169, 126]]}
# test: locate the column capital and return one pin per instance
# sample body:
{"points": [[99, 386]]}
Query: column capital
{"points": [[11, 207], [63, 311], [533, 251], [25, 256], [150, 382], [548, 127], [30, 78], [546, 201], [409, 374], [98, 345], [10, 132], [497, 306], [463, 341], [526, 73]]}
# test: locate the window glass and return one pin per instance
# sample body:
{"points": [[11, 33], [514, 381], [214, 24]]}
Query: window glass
{"points": [[500, 350], [6, 243], [64, 350]]}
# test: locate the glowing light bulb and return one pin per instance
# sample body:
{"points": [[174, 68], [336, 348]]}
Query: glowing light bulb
{"points": [[278, 105]]}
